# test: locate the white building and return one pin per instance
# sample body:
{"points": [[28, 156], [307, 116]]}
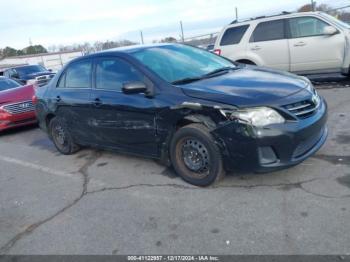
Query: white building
{"points": [[53, 61]]}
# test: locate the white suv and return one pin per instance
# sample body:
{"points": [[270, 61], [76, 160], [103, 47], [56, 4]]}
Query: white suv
{"points": [[302, 43]]}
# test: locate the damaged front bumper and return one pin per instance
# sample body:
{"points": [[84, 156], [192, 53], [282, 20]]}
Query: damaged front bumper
{"points": [[266, 149]]}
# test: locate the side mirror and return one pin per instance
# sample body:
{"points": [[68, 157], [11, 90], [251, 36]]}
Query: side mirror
{"points": [[50, 70], [330, 30], [134, 88]]}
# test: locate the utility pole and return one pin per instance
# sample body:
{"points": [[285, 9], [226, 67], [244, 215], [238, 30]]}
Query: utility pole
{"points": [[142, 42], [236, 11], [313, 5], [182, 32]]}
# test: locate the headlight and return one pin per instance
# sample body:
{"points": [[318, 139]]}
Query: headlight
{"points": [[259, 116]]}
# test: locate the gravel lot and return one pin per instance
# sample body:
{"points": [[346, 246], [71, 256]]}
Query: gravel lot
{"points": [[98, 202]]}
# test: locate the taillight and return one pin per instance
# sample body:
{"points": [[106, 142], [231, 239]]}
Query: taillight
{"points": [[34, 99], [217, 51]]}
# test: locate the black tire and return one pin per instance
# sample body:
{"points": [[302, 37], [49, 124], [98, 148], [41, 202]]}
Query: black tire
{"points": [[195, 156], [61, 137]]}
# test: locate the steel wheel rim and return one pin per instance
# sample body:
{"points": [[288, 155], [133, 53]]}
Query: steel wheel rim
{"points": [[60, 137], [195, 156]]}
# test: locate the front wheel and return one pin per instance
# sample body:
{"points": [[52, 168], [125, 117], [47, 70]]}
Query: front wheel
{"points": [[195, 156], [61, 137]]}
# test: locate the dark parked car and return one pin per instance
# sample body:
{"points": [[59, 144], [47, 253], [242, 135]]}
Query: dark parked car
{"points": [[185, 106], [29, 74]]}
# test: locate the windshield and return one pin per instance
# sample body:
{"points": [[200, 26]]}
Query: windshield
{"points": [[27, 70], [6, 84], [337, 21], [177, 62]]}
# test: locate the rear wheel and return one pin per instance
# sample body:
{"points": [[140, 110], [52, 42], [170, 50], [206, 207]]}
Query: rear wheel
{"points": [[61, 137], [195, 156]]}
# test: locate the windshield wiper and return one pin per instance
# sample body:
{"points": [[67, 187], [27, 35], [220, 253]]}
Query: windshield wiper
{"points": [[220, 70], [186, 80]]}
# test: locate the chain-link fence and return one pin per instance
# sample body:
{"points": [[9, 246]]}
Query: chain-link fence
{"points": [[202, 40]]}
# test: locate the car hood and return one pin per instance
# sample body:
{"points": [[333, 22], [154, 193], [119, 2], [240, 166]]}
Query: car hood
{"points": [[247, 86], [19, 94]]}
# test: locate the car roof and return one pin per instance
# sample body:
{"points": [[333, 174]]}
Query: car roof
{"points": [[132, 48], [124, 50], [23, 66], [283, 15]]}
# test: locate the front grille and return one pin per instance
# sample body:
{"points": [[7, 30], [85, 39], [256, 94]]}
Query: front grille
{"points": [[19, 108], [303, 109]]}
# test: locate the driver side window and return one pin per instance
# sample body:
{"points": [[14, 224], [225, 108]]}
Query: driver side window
{"points": [[112, 73], [306, 26]]}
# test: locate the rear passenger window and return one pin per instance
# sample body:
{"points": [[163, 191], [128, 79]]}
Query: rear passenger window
{"points": [[112, 73], [233, 35], [268, 31], [77, 75]]}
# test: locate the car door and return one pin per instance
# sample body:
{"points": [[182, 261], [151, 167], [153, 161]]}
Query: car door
{"points": [[311, 50], [269, 44], [122, 121], [71, 98]]}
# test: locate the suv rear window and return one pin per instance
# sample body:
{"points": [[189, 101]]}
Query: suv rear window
{"points": [[233, 35], [268, 31]]}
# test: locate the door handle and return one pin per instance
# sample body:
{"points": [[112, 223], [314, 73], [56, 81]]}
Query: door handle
{"points": [[300, 44], [256, 48], [97, 102], [58, 99]]}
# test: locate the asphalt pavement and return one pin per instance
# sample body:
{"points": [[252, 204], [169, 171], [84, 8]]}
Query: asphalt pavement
{"points": [[99, 202]]}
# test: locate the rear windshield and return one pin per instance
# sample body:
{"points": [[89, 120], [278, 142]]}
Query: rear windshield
{"points": [[6, 84], [233, 35]]}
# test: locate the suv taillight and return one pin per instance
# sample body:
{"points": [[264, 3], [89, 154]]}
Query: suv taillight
{"points": [[217, 51]]}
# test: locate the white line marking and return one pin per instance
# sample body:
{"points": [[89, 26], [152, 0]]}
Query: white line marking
{"points": [[38, 167]]}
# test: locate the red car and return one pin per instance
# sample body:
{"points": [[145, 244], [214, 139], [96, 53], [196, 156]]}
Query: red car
{"points": [[16, 106]]}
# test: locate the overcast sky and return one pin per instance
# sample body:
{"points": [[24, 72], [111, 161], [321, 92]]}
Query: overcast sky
{"points": [[78, 21]]}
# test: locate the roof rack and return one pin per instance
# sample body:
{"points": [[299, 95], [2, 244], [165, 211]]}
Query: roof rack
{"points": [[260, 17]]}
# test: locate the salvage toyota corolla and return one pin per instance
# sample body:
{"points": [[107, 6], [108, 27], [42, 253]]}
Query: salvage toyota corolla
{"points": [[189, 108]]}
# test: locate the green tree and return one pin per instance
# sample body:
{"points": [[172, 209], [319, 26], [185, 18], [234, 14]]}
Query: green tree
{"points": [[9, 51], [34, 49], [169, 39]]}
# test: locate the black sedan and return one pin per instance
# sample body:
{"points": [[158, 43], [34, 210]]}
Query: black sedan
{"points": [[187, 107]]}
